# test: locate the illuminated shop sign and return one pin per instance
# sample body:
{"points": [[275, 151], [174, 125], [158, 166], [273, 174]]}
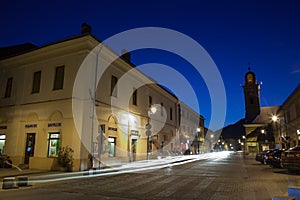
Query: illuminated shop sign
{"points": [[298, 132], [30, 125], [54, 125]]}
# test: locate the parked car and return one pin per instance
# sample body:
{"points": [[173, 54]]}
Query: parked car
{"points": [[274, 158], [268, 155], [291, 159], [260, 157]]}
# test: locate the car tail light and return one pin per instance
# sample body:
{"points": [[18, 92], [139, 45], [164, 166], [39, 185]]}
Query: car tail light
{"points": [[270, 157], [298, 155]]}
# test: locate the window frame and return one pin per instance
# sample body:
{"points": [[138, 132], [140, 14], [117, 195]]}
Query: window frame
{"points": [[8, 89], [114, 86], [134, 97], [57, 143], [59, 78], [36, 83]]}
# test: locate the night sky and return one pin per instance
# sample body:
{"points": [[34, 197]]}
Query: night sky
{"points": [[265, 34]]}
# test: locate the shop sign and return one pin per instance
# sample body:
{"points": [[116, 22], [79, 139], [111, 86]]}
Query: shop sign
{"points": [[58, 124], [3, 127], [30, 125], [134, 132], [112, 128]]}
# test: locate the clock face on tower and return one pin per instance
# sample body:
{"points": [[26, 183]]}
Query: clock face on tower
{"points": [[249, 78]]}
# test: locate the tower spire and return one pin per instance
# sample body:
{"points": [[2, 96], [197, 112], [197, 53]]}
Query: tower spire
{"points": [[249, 68]]}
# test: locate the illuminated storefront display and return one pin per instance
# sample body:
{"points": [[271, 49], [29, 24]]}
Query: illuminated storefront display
{"points": [[2, 142], [53, 146], [112, 146]]}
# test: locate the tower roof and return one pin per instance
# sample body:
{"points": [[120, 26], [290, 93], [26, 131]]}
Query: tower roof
{"points": [[250, 77]]}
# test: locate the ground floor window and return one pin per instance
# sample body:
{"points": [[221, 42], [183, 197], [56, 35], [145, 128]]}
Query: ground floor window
{"points": [[2, 142], [111, 146], [54, 144]]}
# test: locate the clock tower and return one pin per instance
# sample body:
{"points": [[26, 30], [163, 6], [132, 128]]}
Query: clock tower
{"points": [[251, 94]]}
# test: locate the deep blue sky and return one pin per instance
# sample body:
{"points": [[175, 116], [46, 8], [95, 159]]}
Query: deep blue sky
{"points": [[234, 33]]}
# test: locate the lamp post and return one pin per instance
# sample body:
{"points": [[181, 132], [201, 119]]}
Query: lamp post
{"points": [[198, 140], [275, 119], [151, 110]]}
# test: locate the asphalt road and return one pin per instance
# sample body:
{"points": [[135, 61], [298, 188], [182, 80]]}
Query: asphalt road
{"points": [[229, 177]]}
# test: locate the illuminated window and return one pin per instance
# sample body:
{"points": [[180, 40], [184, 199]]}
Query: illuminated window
{"points": [[111, 146], [59, 78], [54, 144], [8, 87], [36, 82], [2, 142]]}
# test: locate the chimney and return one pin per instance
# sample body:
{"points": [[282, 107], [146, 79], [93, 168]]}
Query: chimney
{"points": [[85, 28], [125, 55]]}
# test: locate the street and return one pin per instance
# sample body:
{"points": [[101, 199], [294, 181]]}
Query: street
{"points": [[230, 176]]}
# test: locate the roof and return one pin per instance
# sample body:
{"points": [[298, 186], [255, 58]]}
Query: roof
{"points": [[9, 51], [265, 115], [294, 93], [257, 135]]}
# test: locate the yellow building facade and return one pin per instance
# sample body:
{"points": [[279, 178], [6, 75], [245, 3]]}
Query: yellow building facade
{"points": [[40, 110]]}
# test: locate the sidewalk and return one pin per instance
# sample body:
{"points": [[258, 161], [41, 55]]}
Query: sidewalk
{"points": [[9, 172]]}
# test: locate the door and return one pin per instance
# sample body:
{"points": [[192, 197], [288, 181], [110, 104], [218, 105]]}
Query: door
{"points": [[133, 149], [29, 148]]}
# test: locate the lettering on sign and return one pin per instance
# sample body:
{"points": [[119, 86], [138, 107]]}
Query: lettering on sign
{"points": [[112, 129], [30, 125], [134, 132], [58, 124], [3, 127]]}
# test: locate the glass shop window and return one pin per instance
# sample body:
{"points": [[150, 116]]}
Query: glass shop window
{"points": [[111, 146], [54, 144], [2, 142]]}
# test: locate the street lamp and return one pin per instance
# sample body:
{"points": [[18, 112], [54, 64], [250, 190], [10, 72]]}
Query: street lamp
{"points": [[275, 119], [151, 110], [198, 141]]}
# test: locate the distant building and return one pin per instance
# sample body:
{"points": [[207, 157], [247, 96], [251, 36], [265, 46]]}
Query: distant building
{"points": [[265, 127], [258, 125], [191, 131], [288, 121]]}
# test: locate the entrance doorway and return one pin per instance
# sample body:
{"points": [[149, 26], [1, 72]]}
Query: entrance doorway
{"points": [[29, 148], [133, 149]]}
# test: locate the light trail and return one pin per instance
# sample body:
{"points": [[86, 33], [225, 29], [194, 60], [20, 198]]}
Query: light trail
{"points": [[139, 166]]}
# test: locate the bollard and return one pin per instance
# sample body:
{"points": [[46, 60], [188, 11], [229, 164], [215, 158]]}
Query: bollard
{"points": [[22, 181], [8, 183]]}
